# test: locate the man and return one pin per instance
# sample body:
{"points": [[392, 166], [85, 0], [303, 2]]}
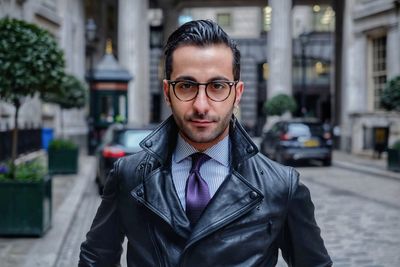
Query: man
{"points": [[226, 206]]}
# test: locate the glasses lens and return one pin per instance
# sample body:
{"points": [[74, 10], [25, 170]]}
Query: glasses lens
{"points": [[185, 90], [218, 90]]}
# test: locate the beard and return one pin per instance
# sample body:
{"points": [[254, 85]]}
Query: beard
{"points": [[214, 132]]}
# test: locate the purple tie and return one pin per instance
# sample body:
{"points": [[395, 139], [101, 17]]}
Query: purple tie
{"points": [[197, 193]]}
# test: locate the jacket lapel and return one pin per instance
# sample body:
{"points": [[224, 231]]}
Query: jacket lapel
{"points": [[234, 199], [157, 193]]}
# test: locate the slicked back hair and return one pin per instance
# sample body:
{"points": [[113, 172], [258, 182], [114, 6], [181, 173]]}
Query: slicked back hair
{"points": [[200, 33]]}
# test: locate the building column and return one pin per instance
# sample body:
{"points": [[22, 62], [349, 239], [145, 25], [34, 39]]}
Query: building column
{"points": [[280, 48], [393, 53], [133, 54], [355, 91]]}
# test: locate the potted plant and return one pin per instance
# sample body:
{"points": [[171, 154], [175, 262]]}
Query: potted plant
{"points": [[62, 157], [394, 157], [63, 154], [25, 198], [31, 63], [280, 104], [277, 108], [390, 100]]}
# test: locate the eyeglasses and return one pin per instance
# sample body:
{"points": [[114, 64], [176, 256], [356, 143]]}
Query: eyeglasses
{"points": [[217, 91]]}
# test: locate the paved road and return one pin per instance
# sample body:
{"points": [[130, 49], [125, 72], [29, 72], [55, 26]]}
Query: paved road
{"points": [[359, 215]]}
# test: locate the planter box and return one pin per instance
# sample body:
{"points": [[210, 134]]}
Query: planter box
{"points": [[393, 160], [25, 207], [63, 161]]}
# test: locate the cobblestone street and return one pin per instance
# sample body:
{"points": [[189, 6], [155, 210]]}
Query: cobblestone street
{"points": [[359, 215]]}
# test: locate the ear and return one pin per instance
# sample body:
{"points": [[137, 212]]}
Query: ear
{"points": [[166, 92], [239, 91]]}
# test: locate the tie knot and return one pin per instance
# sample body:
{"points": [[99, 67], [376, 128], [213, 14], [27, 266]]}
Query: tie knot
{"points": [[197, 160]]}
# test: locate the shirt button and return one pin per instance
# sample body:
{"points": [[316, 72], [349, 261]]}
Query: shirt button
{"points": [[253, 195]]}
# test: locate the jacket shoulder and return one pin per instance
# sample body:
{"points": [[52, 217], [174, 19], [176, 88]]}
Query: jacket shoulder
{"points": [[129, 169], [283, 179]]}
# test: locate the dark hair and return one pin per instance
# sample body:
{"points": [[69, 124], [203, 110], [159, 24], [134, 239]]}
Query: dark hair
{"points": [[200, 33]]}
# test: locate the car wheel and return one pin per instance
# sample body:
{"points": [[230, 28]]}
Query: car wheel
{"points": [[327, 162]]}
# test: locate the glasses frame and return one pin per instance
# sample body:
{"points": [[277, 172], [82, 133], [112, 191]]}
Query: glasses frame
{"points": [[230, 83]]}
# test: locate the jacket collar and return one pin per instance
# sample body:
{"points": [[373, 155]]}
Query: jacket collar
{"points": [[161, 142], [235, 197]]}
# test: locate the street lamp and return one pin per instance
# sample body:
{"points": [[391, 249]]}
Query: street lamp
{"points": [[303, 43], [90, 32]]}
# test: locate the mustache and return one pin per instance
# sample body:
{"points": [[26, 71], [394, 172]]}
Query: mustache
{"points": [[201, 116]]}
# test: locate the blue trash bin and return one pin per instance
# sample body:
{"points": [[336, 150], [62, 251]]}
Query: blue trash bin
{"points": [[47, 136]]}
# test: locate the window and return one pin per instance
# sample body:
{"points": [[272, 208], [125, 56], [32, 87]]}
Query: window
{"points": [[378, 67], [267, 16], [106, 108], [224, 20], [323, 18]]}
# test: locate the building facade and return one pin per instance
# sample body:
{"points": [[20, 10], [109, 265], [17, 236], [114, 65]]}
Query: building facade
{"points": [[370, 58], [351, 51]]}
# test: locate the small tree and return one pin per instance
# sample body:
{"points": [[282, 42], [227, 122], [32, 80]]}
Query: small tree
{"points": [[72, 94], [280, 104], [30, 62], [390, 98]]}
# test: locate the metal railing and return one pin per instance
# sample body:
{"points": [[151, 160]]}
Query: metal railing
{"points": [[28, 140]]}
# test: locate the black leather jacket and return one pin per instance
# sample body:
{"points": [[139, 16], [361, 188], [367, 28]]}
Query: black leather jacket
{"points": [[259, 208]]}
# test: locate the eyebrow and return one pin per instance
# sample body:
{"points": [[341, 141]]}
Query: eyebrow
{"points": [[191, 78]]}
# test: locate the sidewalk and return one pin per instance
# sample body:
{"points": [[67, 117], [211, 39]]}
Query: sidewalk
{"points": [[364, 164], [43, 252]]}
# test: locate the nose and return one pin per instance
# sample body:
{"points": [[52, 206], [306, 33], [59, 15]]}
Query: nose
{"points": [[201, 102]]}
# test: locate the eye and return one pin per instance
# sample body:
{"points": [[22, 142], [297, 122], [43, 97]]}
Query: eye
{"points": [[185, 85], [218, 85]]}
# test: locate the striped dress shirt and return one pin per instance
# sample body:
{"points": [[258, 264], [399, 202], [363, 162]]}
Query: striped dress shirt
{"points": [[213, 171]]}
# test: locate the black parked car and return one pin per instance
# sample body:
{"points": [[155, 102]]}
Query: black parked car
{"points": [[295, 140], [119, 140]]}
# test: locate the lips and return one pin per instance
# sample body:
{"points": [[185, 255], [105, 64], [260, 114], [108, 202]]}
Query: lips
{"points": [[201, 123]]}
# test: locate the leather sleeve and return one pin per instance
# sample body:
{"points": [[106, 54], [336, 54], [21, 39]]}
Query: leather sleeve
{"points": [[302, 244], [103, 244]]}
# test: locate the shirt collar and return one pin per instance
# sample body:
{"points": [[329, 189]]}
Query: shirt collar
{"points": [[218, 152]]}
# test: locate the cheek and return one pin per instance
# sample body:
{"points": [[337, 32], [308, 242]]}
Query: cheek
{"points": [[178, 107]]}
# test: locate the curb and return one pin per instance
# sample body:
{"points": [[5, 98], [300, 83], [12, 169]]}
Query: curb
{"points": [[367, 170], [45, 253]]}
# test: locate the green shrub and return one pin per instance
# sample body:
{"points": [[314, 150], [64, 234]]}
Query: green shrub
{"points": [[61, 144], [396, 145], [390, 97], [280, 104], [28, 171], [72, 94]]}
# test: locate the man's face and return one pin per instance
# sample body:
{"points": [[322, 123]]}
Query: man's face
{"points": [[202, 121]]}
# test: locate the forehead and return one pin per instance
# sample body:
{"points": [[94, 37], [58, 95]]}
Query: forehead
{"points": [[208, 60]]}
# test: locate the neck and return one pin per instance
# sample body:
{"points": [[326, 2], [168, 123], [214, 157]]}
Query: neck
{"points": [[201, 147]]}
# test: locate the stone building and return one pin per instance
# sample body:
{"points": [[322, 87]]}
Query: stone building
{"points": [[371, 57], [350, 52]]}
